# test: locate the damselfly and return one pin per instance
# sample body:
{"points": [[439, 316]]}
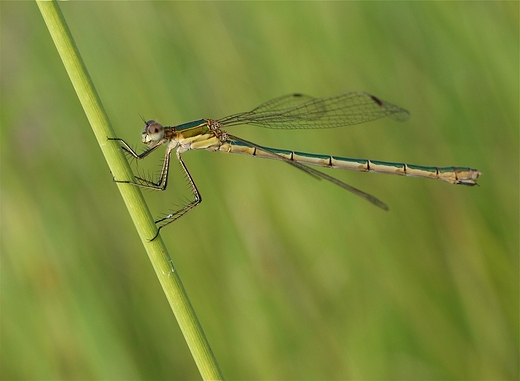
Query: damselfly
{"points": [[294, 111]]}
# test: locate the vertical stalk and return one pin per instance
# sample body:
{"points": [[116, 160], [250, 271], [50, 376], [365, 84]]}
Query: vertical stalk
{"points": [[157, 252]]}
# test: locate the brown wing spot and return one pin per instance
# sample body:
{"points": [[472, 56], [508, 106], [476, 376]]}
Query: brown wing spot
{"points": [[377, 100]]}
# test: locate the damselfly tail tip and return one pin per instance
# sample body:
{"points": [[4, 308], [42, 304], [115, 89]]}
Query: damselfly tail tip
{"points": [[471, 179]]}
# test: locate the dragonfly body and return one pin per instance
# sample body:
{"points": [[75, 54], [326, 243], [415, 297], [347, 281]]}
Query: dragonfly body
{"points": [[288, 112], [200, 135]]}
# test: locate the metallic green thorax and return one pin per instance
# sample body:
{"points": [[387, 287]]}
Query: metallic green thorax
{"points": [[188, 130]]}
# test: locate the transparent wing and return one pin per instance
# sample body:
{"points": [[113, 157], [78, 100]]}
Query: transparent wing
{"points": [[297, 111], [282, 103]]}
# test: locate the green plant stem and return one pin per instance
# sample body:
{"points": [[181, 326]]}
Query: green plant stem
{"points": [[132, 196]]}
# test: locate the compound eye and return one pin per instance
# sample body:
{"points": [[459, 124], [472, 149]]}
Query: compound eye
{"points": [[153, 132], [153, 128]]}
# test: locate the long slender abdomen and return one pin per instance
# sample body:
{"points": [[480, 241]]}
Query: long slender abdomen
{"points": [[453, 175]]}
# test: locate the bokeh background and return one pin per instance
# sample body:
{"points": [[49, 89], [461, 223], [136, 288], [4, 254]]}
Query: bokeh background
{"points": [[292, 278]]}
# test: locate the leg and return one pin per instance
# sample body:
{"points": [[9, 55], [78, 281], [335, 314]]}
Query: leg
{"points": [[142, 182], [126, 147], [168, 219], [161, 183]]}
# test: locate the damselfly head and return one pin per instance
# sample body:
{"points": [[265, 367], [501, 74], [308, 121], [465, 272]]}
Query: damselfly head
{"points": [[153, 132]]}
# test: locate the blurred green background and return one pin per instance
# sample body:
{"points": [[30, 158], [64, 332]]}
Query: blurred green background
{"points": [[291, 278]]}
